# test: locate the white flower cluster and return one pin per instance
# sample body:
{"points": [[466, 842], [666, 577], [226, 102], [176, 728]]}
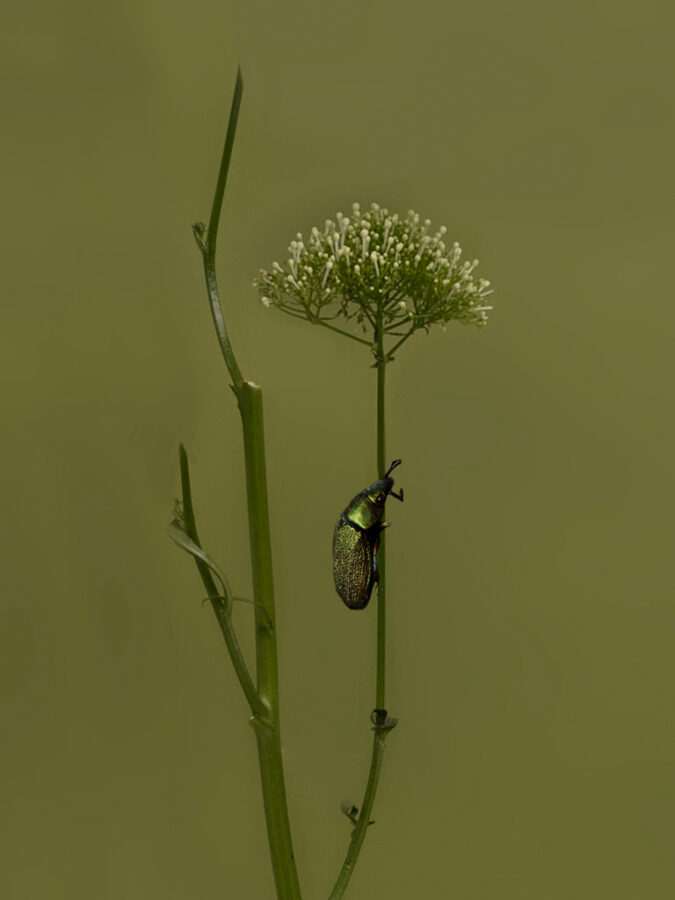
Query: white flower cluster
{"points": [[377, 267]]}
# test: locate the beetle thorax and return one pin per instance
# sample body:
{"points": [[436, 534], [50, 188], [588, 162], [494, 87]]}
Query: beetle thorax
{"points": [[367, 508]]}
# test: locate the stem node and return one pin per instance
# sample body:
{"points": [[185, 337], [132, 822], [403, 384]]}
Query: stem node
{"points": [[198, 232]]}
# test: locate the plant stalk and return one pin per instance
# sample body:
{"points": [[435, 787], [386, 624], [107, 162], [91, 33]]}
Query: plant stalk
{"points": [[382, 725], [359, 832], [222, 612], [267, 732], [249, 400], [381, 567]]}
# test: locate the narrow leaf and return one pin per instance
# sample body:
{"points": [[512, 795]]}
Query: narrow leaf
{"points": [[178, 534]]}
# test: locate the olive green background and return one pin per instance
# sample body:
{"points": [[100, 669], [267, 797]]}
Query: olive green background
{"points": [[532, 619]]}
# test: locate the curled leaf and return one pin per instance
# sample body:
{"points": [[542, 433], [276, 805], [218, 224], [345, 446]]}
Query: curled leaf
{"points": [[178, 534]]}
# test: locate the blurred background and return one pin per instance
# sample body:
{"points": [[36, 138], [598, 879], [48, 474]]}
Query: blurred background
{"points": [[532, 623]]}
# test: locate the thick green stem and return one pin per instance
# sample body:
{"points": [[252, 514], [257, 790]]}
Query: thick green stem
{"points": [[249, 399], [267, 732]]}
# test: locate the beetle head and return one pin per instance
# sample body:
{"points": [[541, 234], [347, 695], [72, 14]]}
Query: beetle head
{"points": [[367, 508], [378, 492]]}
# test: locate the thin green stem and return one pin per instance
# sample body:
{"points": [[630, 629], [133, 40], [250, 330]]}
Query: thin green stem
{"points": [[402, 341], [208, 244], [381, 567], [219, 193], [348, 334], [223, 614], [308, 317], [382, 724], [359, 832]]}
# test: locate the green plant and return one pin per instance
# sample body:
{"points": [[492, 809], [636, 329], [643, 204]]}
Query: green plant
{"points": [[384, 277]]}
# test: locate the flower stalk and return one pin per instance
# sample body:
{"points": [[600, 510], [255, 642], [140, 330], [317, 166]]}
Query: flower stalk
{"points": [[387, 277], [382, 723]]}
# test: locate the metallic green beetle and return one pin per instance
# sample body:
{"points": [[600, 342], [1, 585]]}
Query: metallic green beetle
{"points": [[356, 539]]}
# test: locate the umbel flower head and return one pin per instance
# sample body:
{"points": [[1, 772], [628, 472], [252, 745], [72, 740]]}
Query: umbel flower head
{"points": [[381, 271]]}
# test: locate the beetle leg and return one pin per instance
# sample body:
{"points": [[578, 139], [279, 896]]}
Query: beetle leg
{"points": [[376, 574]]}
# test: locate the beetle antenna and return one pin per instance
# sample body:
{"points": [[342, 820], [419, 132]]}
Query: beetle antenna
{"points": [[396, 462]]}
